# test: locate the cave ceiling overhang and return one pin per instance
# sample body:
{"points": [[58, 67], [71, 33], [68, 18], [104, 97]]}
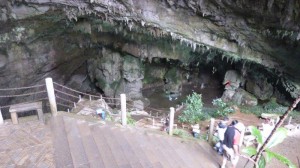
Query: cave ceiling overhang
{"points": [[261, 31]]}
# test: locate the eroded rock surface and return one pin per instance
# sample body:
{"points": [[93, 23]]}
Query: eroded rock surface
{"points": [[55, 38]]}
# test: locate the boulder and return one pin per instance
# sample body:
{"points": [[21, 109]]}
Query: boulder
{"points": [[260, 88], [242, 97], [105, 71], [173, 82], [232, 80]]}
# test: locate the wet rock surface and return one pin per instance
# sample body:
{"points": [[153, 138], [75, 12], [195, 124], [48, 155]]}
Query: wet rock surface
{"points": [[65, 40]]}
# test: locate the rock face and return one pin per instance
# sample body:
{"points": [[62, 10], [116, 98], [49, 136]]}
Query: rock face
{"points": [[260, 88], [55, 38], [133, 73], [173, 82], [243, 97], [234, 93], [105, 72], [116, 74]]}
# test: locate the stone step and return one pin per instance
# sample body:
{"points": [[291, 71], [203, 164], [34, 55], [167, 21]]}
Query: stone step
{"points": [[103, 147], [167, 157], [157, 165], [170, 144], [87, 145], [136, 146], [184, 153], [126, 147], [206, 159], [62, 154], [75, 142], [154, 148], [115, 147], [92, 153]]}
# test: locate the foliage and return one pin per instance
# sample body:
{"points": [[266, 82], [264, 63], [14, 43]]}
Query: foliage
{"points": [[256, 110], [130, 120], [193, 112], [181, 133], [278, 137], [108, 117], [273, 107], [223, 109]]}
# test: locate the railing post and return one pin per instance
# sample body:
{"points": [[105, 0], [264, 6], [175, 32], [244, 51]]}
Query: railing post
{"points": [[51, 96], [211, 130], [153, 122], [1, 118], [171, 123], [290, 120], [123, 109]]}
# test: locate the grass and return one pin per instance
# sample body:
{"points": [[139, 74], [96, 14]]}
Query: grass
{"points": [[181, 133]]}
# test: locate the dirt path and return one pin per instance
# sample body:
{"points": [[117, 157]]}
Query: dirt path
{"points": [[289, 148]]}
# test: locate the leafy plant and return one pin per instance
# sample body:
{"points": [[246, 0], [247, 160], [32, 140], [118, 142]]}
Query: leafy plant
{"points": [[223, 109], [130, 120], [181, 133], [277, 138], [193, 112], [273, 107]]}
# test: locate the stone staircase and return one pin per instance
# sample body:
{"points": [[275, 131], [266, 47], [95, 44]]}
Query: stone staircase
{"points": [[78, 143]]}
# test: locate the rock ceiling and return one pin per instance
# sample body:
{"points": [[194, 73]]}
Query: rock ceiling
{"points": [[266, 32]]}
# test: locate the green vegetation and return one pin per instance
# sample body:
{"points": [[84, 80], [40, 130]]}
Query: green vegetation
{"points": [[108, 117], [181, 133], [130, 120], [270, 107], [273, 107], [193, 112], [223, 109], [277, 138]]}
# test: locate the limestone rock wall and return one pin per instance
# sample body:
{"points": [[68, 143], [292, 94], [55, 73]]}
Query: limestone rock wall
{"points": [[55, 38]]}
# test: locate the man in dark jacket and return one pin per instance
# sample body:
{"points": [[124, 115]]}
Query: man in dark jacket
{"points": [[231, 145]]}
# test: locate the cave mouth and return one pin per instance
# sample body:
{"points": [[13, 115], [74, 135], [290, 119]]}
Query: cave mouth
{"points": [[100, 55]]}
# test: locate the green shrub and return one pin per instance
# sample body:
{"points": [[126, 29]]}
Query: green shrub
{"points": [[193, 112], [223, 109], [130, 120], [273, 107], [256, 110], [181, 133], [268, 155]]}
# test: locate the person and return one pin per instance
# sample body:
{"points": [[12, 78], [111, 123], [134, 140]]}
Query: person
{"points": [[231, 145], [101, 113], [221, 128], [241, 128]]}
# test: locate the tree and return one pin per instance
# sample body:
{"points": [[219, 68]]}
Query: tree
{"points": [[259, 159], [277, 138]]}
